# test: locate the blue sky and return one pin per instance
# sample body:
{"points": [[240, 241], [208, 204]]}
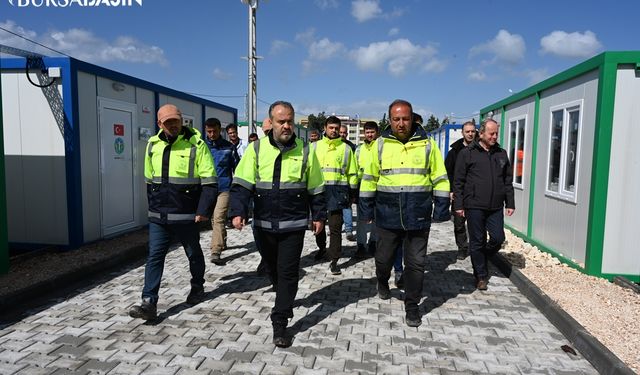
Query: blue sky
{"points": [[343, 57]]}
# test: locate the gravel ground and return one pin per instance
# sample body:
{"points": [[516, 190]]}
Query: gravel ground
{"points": [[609, 312]]}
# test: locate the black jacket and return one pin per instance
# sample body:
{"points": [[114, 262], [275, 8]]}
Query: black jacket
{"points": [[483, 179], [452, 155]]}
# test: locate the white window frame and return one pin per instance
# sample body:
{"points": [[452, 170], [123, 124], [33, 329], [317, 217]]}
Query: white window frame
{"points": [[524, 149], [562, 193]]}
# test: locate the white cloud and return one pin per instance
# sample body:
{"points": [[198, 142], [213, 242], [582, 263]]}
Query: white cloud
{"points": [[573, 44], [84, 45], [324, 49], [278, 46], [365, 10], [306, 37], [326, 4], [507, 48], [394, 31], [399, 56], [221, 75], [477, 76], [537, 75]]}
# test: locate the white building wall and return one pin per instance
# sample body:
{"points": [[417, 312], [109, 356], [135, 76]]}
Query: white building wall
{"points": [[525, 107], [558, 223], [620, 252], [34, 163]]}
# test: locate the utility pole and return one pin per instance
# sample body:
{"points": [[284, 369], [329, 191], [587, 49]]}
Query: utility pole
{"points": [[252, 102]]}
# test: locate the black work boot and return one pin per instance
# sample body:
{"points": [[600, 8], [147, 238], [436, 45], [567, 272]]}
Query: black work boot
{"points": [[195, 296], [462, 254], [413, 318], [146, 310], [361, 253], [280, 337], [321, 255]]}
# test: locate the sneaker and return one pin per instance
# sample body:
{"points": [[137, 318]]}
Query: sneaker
{"points": [[146, 310], [195, 296], [383, 291], [361, 253], [333, 267], [482, 284], [462, 254], [351, 237], [320, 255], [413, 318], [399, 280], [216, 259], [280, 337]]}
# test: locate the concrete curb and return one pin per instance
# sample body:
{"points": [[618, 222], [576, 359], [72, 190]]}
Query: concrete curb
{"points": [[597, 354], [59, 286]]}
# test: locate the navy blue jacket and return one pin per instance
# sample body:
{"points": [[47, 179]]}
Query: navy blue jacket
{"points": [[225, 158]]}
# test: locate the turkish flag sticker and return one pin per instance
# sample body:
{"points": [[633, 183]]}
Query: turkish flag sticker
{"points": [[118, 129]]}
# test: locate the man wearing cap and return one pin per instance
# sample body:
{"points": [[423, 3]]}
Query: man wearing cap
{"points": [[181, 189]]}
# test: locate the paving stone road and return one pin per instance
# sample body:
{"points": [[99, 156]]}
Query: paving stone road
{"points": [[340, 326]]}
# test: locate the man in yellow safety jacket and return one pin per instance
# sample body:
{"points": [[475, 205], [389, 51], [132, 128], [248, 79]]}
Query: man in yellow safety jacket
{"points": [[405, 175], [181, 190], [284, 177], [339, 169], [364, 153]]}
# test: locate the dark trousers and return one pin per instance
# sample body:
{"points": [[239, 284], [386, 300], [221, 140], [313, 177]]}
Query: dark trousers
{"points": [[481, 222], [415, 260], [160, 236], [335, 235], [460, 232], [282, 252]]}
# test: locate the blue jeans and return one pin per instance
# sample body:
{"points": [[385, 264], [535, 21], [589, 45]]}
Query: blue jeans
{"points": [[479, 223], [347, 218], [160, 236]]}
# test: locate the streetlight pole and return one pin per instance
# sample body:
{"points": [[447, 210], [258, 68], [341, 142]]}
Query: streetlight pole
{"points": [[252, 95]]}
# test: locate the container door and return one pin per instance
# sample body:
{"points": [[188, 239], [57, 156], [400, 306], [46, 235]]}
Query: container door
{"points": [[118, 184]]}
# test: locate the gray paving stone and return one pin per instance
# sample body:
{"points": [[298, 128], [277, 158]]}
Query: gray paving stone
{"points": [[128, 369], [277, 370]]}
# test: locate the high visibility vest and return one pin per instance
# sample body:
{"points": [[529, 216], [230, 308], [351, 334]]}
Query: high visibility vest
{"points": [[282, 181], [338, 164], [402, 178], [174, 174], [363, 157]]}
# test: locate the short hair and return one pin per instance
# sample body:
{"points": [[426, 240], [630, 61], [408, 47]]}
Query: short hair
{"points": [[253, 135], [231, 126], [371, 125], [483, 125], [417, 118], [332, 120], [400, 102], [282, 103], [212, 122], [344, 126], [469, 123], [314, 131]]}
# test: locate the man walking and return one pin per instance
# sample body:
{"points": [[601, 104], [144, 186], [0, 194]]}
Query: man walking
{"points": [[405, 173], [181, 188], [364, 153], [459, 228], [482, 188], [225, 159], [285, 179], [339, 170]]}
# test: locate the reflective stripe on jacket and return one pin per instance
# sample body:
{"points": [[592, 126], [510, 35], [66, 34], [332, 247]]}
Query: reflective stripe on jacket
{"points": [[339, 170], [181, 180], [286, 185], [400, 181]]}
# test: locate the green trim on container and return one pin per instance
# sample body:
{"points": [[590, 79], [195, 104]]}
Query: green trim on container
{"points": [[534, 164], [600, 167], [4, 244], [546, 249], [503, 114]]}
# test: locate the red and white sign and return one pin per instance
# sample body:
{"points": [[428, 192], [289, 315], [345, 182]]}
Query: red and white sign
{"points": [[118, 129]]}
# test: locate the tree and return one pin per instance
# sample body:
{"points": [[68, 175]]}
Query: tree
{"points": [[445, 120], [383, 123], [317, 122], [432, 124]]}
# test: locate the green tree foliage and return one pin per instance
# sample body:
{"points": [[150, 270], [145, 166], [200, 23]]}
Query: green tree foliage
{"points": [[383, 123], [432, 124], [317, 122]]}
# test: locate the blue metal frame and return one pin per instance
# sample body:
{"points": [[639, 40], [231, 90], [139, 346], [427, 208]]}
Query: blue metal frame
{"points": [[69, 68]]}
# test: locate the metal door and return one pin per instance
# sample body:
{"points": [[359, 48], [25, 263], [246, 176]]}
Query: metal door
{"points": [[117, 166]]}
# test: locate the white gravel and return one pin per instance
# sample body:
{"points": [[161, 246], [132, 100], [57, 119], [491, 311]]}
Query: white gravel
{"points": [[609, 312]]}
